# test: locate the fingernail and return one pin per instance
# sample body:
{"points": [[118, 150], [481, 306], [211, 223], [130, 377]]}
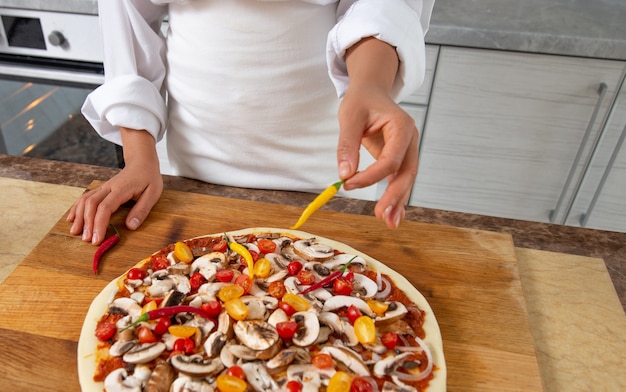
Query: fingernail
{"points": [[73, 228], [344, 169], [387, 212], [86, 235], [134, 223], [94, 239]]}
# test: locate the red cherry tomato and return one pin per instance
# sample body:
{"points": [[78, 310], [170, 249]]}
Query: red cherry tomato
{"points": [[220, 246], [322, 361], [105, 330], [159, 262], [349, 277], [293, 386], [286, 329], [360, 384], [266, 246], [294, 267], [305, 277], [162, 325], [342, 287], [135, 273], [353, 313], [277, 289], [236, 371], [196, 280], [389, 340], [288, 309], [225, 275], [254, 254], [244, 281], [185, 345], [145, 335], [212, 308]]}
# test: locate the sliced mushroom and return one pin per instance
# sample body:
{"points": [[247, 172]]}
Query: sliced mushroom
{"points": [[126, 306], [181, 283], [395, 312], [390, 364], [195, 365], [351, 359], [364, 287], [339, 301], [173, 298], [341, 327], [214, 344], [160, 287], [256, 334], [292, 286], [179, 269], [311, 377], [341, 259], [287, 356], [308, 328], [161, 378], [391, 387], [248, 354], [144, 352], [259, 307], [227, 358], [188, 384], [277, 316], [312, 250], [258, 377], [119, 381], [120, 347]]}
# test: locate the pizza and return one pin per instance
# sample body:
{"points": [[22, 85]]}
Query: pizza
{"points": [[260, 309]]}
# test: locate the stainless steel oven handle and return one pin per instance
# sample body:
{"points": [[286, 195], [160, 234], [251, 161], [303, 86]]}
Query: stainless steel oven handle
{"points": [[51, 75], [585, 217], [602, 89]]}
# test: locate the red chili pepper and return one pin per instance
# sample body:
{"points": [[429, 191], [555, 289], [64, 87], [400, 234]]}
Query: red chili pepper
{"points": [[105, 247], [167, 312], [328, 279]]}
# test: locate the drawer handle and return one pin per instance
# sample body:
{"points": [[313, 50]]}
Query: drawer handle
{"points": [[602, 89], [585, 217]]}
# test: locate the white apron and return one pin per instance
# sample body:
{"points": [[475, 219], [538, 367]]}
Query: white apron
{"points": [[250, 101]]}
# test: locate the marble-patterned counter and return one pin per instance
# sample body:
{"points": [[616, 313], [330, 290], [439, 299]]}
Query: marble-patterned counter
{"points": [[575, 316]]}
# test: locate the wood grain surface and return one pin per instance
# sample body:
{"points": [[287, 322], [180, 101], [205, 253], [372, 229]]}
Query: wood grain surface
{"points": [[469, 277]]}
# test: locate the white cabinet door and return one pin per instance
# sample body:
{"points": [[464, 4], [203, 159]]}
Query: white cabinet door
{"points": [[600, 202], [504, 128]]}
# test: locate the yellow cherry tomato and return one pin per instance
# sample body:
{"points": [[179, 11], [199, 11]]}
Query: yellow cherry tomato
{"points": [[229, 292], [339, 382], [182, 252], [227, 383], [262, 268], [365, 330], [236, 309], [299, 303], [152, 305], [377, 307], [182, 331]]}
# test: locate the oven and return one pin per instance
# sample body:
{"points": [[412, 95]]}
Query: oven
{"points": [[50, 60]]}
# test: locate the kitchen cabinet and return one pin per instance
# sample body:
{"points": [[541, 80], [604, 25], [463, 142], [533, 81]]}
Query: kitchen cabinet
{"points": [[600, 203], [510, 134]]}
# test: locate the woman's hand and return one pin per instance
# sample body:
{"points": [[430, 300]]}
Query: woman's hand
{"points": [[369, 116], [139, 180]]}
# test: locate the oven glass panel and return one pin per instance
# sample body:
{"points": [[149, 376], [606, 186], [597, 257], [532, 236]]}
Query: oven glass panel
{"points": [[23, 32]]}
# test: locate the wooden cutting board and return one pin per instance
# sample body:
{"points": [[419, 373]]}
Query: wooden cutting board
{"points": [[469, 277]]}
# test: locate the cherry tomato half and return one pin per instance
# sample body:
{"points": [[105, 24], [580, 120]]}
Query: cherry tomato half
{"points": [[159, 262], [162, 325], [185, 345], [105, 330], [342, 287], [365, 330], [288, 309], [212, 308], [294, 267], [389, 340], [322, 361], [236, 371], [353, 313], [135, 273], [360, 384], [305, 277], [245, 282], [220, 246], [145, 335], [196, 280], [225, 275], [277, 289], [286, 329], [293, 386], [266, 246]]}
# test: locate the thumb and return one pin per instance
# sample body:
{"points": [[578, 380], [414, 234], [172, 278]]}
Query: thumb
{"points": [[348, 146]]}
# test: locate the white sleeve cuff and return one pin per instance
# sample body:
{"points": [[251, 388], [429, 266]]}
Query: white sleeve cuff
{"points": [[394, 22], [126, 101]]}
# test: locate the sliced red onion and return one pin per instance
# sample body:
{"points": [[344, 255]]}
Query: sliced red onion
{"points": [[382, 294], [429, 366]]}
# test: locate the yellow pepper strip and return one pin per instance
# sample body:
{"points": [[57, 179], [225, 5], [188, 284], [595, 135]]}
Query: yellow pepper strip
{"points": [[243, 252], [317, 203]]}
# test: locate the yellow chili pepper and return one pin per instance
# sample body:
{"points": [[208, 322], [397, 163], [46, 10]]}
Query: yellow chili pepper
{"points": [[317, 203], [245, 253]]}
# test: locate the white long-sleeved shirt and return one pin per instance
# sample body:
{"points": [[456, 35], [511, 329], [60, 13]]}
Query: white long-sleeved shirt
{"points": [[252, 67]]}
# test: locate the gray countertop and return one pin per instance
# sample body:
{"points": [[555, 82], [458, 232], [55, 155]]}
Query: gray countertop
{"points": [[565, 27]]}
